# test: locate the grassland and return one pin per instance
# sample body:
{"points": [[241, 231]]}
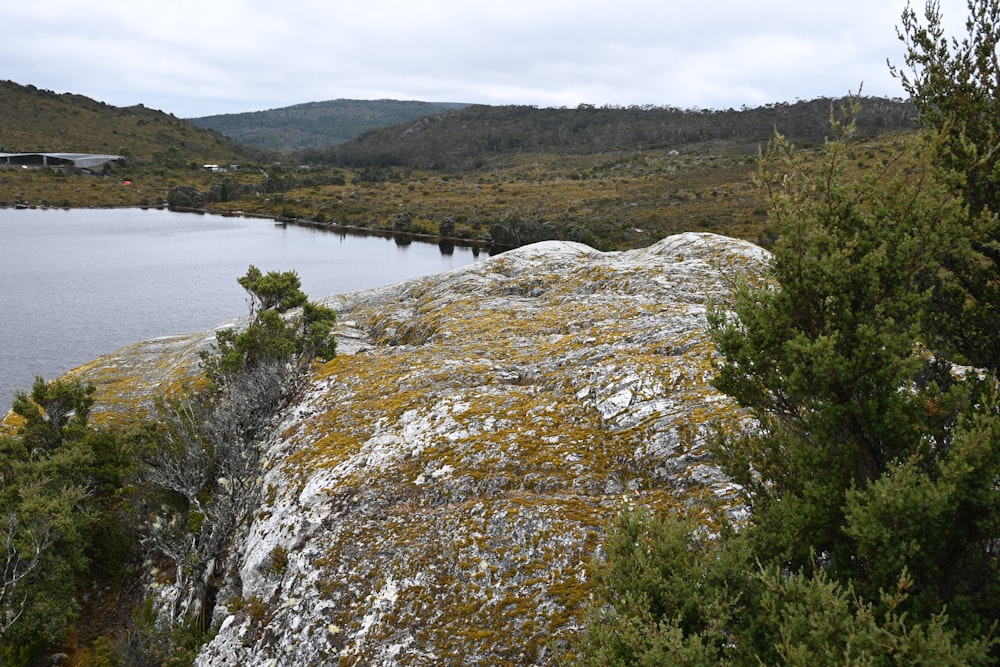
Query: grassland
{"points": [[615, 195], [609, 201]]}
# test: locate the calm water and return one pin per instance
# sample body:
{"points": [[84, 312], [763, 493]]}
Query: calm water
{"points": [[78, 284]]}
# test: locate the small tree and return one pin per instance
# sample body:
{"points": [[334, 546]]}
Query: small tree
{"points": [[823, 349], [280, 292], [60, 494], [955, 84], [44, 544], [203, 454], [840, 360], [275, 332], [54, 412]]}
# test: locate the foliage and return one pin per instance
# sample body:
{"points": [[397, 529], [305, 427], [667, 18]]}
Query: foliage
{"points": [[63, 519], [275, 291], [273, 333], [671, 595], [610, 177], [843, 364], [939, 522], [816, 621], [75, 499], [871, 466], [54, 412], [956, 86], [191, 473], [663, 595], [821, 360], [862, 264]]}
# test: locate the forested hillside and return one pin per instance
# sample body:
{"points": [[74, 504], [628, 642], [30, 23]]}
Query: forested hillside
{"points": [[317, 124], [501, 176], [470, 137]]}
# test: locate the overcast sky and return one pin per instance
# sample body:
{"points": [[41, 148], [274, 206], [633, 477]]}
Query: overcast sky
{"points": [[202, 57]]}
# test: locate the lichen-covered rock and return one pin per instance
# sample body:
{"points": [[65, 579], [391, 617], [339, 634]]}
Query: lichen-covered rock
{"points": [[437, 494]]}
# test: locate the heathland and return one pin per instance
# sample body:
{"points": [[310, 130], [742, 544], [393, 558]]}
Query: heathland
{"points": [[613, 178]]}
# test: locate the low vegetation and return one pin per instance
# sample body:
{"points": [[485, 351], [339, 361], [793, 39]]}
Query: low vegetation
{"points": [[85, 505], [867, 359], [868, 363]]}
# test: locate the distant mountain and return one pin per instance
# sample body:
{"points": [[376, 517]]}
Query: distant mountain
{"points": [[318, 124], [33, 119]]}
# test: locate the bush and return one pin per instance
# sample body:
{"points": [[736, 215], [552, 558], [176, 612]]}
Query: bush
{"points": [[202, 478], [63, 485], [274, 332], [872, 465]]}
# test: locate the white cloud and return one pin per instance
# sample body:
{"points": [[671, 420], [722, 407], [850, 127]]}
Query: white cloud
{"points": [[192, 57]]}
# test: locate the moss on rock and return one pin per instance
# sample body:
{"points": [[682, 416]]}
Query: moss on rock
{"points": [[443, 485]]}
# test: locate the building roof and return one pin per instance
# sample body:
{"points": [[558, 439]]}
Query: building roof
{"points": [[82, 160]]}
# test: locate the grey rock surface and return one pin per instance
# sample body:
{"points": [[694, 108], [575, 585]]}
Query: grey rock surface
{"points": [[438, 493]]}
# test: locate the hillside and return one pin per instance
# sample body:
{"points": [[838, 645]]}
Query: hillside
{"points": [[612, 185], [32, 119], [317, 124], [474, 136], [612, 178]]}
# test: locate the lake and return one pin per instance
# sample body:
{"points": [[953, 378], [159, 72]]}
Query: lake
{"points": [[76, 284]]}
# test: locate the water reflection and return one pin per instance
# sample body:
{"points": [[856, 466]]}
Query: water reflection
{"points": [[94, 280]]}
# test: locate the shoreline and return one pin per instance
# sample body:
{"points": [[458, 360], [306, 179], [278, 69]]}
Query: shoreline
{"points": [[475, 244]]}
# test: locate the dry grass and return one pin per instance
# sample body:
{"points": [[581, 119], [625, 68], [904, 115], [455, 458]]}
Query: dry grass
{"points": [[610, 201]]}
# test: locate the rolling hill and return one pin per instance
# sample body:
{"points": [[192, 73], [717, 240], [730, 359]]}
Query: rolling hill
{"points": [[469, 137], [317, 124], [32, 119], [504, 176]]}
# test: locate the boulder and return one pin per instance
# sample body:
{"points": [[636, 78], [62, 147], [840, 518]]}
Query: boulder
{"points": [[438, 493]]}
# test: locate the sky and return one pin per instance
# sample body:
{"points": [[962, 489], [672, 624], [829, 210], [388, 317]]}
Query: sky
{"points": [[197, 58]]}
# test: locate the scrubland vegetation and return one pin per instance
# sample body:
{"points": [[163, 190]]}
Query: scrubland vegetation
{"points": [[867, 357], [86, 505], [869, 362]]}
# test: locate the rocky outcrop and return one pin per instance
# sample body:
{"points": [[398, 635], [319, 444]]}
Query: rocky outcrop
{"points": [[438, 492]]}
